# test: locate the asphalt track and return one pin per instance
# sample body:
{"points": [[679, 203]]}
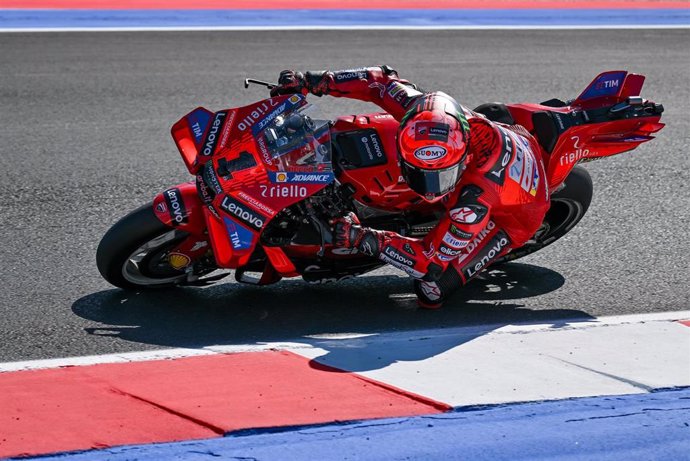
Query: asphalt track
{"points": [[84, 123]]}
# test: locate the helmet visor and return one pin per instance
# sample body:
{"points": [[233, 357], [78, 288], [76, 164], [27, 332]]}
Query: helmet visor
{"points": [[431, 182]]}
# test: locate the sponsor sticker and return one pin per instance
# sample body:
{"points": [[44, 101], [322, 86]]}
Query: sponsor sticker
{"points": [[283, 191], [351, 74], [479, 238], [198, 121], [241, 238], [430, 153], [497, 173], [161, 207], [402, 262], [399, 257], [176, 208], [224, 138], [211, 179], [449, 251], [459, 233], [242, 212], [454, 242], [608, 84], [445, 258], [524, 166], [295, 177], [209, 145], [213, 210], [407, 248], [293, 101], [488, 253], [372, 146], [577, 154], [178, 260], [255, 203], [424, 131], [402, 94], [205, 193], [256, 113]]}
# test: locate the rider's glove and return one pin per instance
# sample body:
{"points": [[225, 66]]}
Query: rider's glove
{"points": [[348, 233], [290, 82]]}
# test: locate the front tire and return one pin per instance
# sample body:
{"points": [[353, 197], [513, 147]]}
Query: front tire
{"points": [[568, 207], [133, 253]]}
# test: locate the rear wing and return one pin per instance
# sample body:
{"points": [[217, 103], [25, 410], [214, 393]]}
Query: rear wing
{"points": [[613, 84]]}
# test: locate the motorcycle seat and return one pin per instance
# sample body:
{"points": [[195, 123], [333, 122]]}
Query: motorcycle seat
{"points": [[496, 112]]}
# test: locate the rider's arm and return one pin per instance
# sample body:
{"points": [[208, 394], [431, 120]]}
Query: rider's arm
{"points": [[426, 258], [380, 85], [452, 238]]}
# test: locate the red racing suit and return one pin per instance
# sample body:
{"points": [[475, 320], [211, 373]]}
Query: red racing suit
{"points": [[498, 204]]}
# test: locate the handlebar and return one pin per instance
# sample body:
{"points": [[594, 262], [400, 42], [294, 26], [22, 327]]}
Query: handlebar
{"points": [[268, 85]]}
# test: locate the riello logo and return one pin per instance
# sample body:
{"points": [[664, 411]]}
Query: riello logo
{"points": [[430, 153]]}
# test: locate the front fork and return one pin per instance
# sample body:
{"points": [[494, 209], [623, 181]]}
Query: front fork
{"points": [[180, 208]]}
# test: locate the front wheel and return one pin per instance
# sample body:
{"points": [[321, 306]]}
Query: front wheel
{"points": [[568, 206], [133, 254]]}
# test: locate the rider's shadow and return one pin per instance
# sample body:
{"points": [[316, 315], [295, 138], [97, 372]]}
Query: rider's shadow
{"points": [[311, 314]]}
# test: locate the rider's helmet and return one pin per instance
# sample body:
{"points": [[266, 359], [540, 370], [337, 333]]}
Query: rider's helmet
{"points": [[432, 145]]}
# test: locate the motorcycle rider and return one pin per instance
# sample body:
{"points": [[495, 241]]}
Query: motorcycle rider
{"points": [[489, 176]]}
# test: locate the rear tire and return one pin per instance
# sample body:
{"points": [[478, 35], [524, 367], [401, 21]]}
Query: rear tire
{"points": [[131, 254], [568, 207]]}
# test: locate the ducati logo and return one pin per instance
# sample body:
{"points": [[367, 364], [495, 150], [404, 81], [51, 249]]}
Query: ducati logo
{"points": [[463, 215]]}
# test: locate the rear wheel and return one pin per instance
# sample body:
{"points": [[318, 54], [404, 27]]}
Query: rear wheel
{"points": [[133, 254], [568, 206]]}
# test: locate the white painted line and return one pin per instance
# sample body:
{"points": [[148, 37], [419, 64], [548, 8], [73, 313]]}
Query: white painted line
{"points": [[312, 345], [328, 28]]}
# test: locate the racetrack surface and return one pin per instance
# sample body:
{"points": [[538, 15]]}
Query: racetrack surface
{"points": [[85, 125]]}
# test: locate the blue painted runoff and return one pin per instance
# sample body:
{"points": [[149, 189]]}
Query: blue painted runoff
{"points": [[653, 426], [366, 18]]}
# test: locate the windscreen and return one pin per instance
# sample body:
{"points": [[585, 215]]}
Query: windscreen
{"points": [[297, 141]]}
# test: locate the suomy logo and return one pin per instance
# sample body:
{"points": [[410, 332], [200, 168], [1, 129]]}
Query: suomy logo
{"points": [[430, 153]]}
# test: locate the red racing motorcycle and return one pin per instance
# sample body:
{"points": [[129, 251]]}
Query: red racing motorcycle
{"points": [[270, 176]]}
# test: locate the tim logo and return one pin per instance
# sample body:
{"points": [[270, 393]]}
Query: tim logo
{"points": [[606, 84]]}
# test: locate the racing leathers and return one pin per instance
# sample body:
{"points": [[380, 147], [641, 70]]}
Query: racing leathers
{"points": [[497, 205]]}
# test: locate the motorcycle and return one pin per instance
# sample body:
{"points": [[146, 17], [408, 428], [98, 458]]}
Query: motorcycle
{"points": [[271, 175]]}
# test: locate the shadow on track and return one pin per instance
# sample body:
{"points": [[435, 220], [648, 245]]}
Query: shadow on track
{"points": [[294, 310]]}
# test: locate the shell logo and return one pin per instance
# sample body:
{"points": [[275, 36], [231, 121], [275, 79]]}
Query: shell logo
{"points": [[294, 99], [281, 177], [178, 261]]}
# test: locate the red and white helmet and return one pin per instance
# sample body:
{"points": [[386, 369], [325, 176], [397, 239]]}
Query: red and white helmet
{"points": [[432, 145]]}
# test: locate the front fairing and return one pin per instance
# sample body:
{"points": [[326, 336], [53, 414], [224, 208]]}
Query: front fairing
{"points": [[265, 162]]}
